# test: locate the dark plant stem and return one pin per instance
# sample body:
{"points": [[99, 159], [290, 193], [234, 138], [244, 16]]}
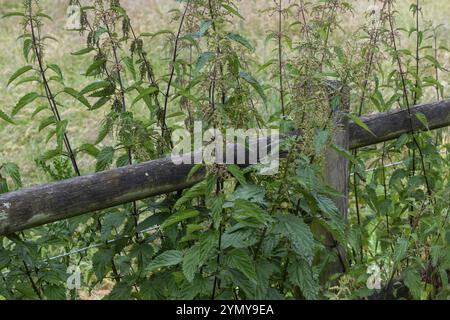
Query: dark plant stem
{"points": [[49, 94], [280, 57], [151, 77], [370, 57], [172, 70], [405, 95], [385, 188], [416, 85], [114, 46], [33, 283], [358, 214]]}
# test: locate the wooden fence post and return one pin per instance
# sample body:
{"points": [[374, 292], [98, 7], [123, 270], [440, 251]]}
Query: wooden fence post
{"points": [[336, 175]]}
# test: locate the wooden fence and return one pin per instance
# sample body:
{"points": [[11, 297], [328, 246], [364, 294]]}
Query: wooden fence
{"points": [[44, 204]]}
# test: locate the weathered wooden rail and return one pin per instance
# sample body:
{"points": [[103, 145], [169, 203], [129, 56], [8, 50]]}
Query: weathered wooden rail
{"points": [[44, 204]]}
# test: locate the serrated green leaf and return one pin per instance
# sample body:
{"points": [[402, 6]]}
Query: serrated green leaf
{"points": [[6, 118], [95, 86], [233, 11], [361, 124], [104, 158], [100, 103], [250, 214], [255, 84], [3, 186], [197, 255], [101, 262], [13, 14], [179, 217], [239, 239], [204, 58], [302, 275], [75, 94], [82, 51], [241, 260], [400, 251], [145, 93], [55, 68], [61, 127], [89, 149], [25, 100], [27, 46], [50, 154], [18, 73], [166, 259], [103, 132], [298, 233], [196, 191], [423, 119], [12, 170], [241, 40], [237, 173], [46, 122], [414, 283], [95, 66]]}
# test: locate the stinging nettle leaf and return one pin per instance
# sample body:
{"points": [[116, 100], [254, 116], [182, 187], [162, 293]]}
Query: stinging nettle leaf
{"points": [[82, 52], [100, 103], [105, 158], [25, 100], [144, 93], [197, 255], [254, 83], [241, 40], [47, 122], [358, 121], [241, 260], [75, 94], [166, 259], [95, 86], [6, 118], [202, 61], [303, 276], [179, 217], [50, 154], [233, 11], [55, 68], [298, 233], [18, 73], [13, 171], [423, 119], [93, 69], [13, 14], [237, 173]]}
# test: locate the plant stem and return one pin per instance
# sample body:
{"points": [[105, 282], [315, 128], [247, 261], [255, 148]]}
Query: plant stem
{"points": [[405, 95], [48, 92], [172, 70], [280, 57]]}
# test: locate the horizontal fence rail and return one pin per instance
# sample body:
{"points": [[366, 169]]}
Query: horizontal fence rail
{"points": [[391, 125], [25, 209]]}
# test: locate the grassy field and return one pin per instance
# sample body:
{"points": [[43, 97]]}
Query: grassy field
{"points": [[23, 143]]}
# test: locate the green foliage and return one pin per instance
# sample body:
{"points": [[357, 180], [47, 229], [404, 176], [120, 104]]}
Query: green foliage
{"points": [[238, 234]]}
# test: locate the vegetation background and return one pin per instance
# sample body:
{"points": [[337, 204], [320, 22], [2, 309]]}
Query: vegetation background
{"points": [[272, 227], [23, 144]]}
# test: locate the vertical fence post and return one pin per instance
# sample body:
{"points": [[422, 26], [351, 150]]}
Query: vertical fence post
{"points": [[336, 173]]}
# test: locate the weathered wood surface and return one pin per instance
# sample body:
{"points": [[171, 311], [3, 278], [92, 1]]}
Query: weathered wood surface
{"points": [[336, 173], [391, 125], [40, 205], [25, 209], [44, 204]]}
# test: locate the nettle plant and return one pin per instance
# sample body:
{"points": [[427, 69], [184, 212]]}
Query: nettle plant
{"points": [[238, 234]]}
